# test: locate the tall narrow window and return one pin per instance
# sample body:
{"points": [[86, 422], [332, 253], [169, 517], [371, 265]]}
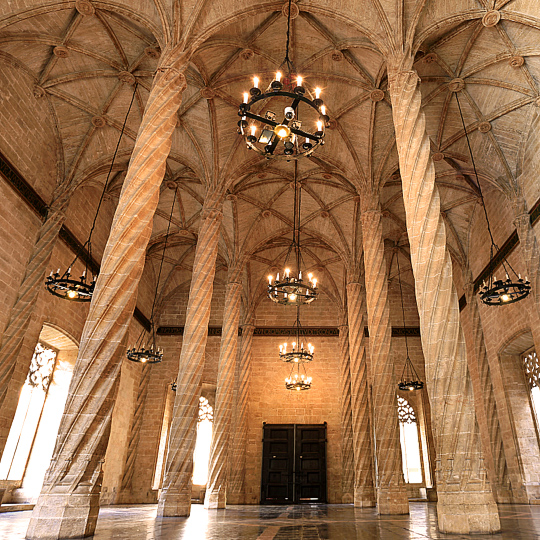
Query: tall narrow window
{"points": [[410, 447], [532, 372], [28, 414], [201, 455]]}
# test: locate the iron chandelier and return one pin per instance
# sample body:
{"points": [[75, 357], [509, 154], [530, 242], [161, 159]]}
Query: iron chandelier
{"points": [[293, 289], [65, 285], [287, 135], [152, 354], [496, 292], [409, 378]]}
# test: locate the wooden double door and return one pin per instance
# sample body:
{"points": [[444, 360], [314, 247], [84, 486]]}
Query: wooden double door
{"points": [[294, 464]]}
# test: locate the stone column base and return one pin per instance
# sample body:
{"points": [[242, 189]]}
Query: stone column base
{"points": [[215, 499], [174, 503], [61, 515], [392, 500], [364, 498], [467, 513]]}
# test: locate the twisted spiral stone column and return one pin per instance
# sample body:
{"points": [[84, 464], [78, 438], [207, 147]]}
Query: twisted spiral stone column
{"points": [[175, 498], [347, 452], [465, 500], [485, 392], [364, 495], [392, 495], [236, 490], [531, 253], [19, 317], [135, 434], [216, 493], [69, 502]]}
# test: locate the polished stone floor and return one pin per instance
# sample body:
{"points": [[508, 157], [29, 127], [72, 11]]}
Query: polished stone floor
{"points": [[307, 522]]}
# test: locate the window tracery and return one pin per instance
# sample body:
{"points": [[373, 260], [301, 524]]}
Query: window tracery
{"points": [[41, 367], [206, 411], [406, 413], [532, 368]]}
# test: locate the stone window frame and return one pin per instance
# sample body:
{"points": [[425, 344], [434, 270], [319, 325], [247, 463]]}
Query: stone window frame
{"points": [[532, 379]]}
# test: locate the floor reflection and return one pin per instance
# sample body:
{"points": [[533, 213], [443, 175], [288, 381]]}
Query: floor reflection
{"points": [[307, 522]]}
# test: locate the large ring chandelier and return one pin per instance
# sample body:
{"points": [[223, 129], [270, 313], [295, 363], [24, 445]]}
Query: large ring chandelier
{"points": [[298, 353], [298, 379], [296, 132], [292, 289], [284, 137], [496, 292], [65, 285]]}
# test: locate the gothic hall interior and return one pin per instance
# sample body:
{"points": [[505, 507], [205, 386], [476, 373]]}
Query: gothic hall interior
{"points": [[260, 257]]}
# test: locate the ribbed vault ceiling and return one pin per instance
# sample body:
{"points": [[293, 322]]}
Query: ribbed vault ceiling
{"points": [[85, 57]]}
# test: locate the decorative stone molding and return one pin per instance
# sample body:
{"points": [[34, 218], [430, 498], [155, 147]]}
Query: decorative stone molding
{"points": [[376, 95], [84, 7], [61, 51], [516, 61], [295, 11], [98, 121], [437, 156], [491, 18], [484, 127], [208, 93], [456, 85], [247, 54], [126, 77], [152, 52], [266, 214], [327, 176], [39, 92], [337, 55]]}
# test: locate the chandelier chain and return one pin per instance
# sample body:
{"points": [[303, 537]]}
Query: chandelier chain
{"points": [[401, 296], [88, 242], [287, 59], [475, 171], [494, 246], [163, 254]]}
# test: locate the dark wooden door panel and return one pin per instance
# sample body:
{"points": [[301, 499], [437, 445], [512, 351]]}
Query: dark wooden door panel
{"points": [[278, 464], [310, 463], [294, 463]]}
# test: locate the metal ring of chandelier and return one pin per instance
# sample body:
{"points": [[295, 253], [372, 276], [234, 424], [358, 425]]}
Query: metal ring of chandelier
{"points": [[145, 356], [411, 385], [292, 291], [298, 383], [70, 289], [499, 293], [296, 356], [281, 136]]}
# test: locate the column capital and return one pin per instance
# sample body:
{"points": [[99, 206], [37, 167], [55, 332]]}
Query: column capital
{"points": [[211, 212]]}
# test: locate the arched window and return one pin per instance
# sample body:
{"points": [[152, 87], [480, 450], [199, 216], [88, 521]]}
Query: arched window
{"points": [[410, 447], [201, 455], [532, 372], [28, 414]]}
